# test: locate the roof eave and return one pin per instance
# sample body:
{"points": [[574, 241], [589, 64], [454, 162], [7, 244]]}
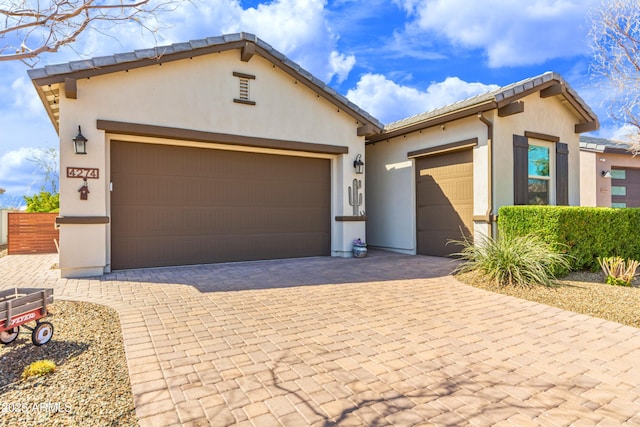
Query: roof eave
{"points": [[435, 121], [502, 99]]}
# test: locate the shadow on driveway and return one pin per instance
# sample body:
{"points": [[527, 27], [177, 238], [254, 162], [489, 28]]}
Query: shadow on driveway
{"points": [[378, 266]]}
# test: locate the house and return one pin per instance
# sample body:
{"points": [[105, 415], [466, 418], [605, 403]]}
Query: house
{"points": [[214, 150], [444, 174], [609, 174], [223, 149]]}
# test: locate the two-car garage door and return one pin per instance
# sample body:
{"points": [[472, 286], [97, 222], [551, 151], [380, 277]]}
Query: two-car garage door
{"points": [[175, 205]]}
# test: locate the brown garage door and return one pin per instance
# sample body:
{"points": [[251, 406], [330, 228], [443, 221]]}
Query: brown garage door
{"points": [[444, 200], [177, 205], [625, 188]]}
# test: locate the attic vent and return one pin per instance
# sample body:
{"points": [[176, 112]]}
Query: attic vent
{"points": [[244, 89], [244, 93]]}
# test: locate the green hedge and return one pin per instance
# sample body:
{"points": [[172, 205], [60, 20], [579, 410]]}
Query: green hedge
{"points": [[583, 233]]}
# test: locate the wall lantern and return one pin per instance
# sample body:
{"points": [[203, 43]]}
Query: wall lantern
{"points": [[605, 174], [80, 143], [358, 164]]}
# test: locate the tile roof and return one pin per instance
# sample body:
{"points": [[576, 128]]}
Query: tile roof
{"points": [[601, 145], [495, 96]]}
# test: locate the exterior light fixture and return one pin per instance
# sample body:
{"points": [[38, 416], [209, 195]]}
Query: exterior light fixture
{"points": [[80, 143], [358, 164], [605, 174]]}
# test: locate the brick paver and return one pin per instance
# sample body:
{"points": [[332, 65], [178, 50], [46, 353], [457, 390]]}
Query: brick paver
{"points": [[385, 340]]}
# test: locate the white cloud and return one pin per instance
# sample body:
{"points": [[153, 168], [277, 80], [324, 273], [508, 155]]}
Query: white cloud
{"points": [[341, 65], [298, 28], [509, 31], [389, 101], [18, 176], [624, 133], [25, 97]]}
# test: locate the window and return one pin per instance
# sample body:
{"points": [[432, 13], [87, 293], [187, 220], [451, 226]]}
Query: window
{"points": [[618, 174], [618, 205], [618, 190], [539, 174]]}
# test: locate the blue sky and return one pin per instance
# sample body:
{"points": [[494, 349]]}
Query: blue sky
{"points": [[394, 58]]}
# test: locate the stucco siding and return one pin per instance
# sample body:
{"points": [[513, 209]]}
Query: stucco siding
{"points": [[4, 226], [588, 186], [547, 116], [196, 94], [390, 176], [391, 204]]}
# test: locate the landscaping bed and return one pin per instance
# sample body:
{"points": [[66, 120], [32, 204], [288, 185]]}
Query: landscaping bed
{"points": [[580, 292], [90, 386]]}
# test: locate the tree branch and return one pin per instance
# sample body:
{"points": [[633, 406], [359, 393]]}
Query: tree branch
{"points": [[38, 27]]}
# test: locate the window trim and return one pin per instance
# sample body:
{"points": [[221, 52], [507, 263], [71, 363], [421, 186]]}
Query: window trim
{"points": [[560, 171]]}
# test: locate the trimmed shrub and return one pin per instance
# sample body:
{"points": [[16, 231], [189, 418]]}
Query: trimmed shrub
{"points": [[584, 233], [515, 261]]}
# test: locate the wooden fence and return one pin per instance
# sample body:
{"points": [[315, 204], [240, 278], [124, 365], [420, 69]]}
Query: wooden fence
{"points": [[32, 233]]}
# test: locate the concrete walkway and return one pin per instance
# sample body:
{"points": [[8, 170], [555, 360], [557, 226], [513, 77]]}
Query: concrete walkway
{"points": [[385, 340]]}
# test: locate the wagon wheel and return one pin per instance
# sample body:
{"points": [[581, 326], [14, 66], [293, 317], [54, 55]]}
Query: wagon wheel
{"points": [[10, 335], [42, 333]]}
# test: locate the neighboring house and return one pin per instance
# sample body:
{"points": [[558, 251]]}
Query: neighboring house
{"points": [[223, 149], [436, 176], [215, 150], [609, 174]]}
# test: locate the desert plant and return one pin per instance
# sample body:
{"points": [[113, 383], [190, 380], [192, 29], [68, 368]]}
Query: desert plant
{"points": [[618, 271], [39, 368], [514, 261]]}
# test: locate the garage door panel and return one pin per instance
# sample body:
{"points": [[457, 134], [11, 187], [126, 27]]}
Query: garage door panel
{"points": [[207, 250], [444, 201], [199, 192], [176, 221], [223, 206]]}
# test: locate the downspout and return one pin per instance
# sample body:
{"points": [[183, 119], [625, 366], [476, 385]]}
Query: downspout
{"points": [[489, 215]]}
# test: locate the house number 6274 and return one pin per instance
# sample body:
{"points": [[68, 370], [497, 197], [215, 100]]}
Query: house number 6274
{"points": [[82, 173]]}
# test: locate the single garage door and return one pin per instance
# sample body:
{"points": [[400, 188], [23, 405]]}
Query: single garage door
{"points": [[444, 200], [625, 188], [179, 205]]}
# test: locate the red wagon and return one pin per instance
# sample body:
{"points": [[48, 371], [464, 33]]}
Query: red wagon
{"points": [[19, 306]]}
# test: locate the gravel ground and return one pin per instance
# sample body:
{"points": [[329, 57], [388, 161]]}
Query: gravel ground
{"points": [[580, 292], [90, 386]]}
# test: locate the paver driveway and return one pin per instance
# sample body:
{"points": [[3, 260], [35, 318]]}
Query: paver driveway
{"points": [[385, 340]]}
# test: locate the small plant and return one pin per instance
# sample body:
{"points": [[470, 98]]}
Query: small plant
{"points": [[514, 261], [617, 271], [359, 242], [39, 368]]}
